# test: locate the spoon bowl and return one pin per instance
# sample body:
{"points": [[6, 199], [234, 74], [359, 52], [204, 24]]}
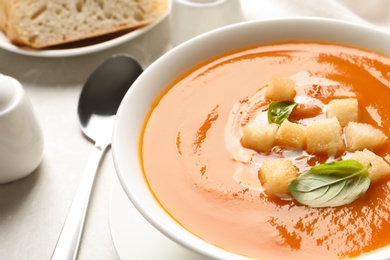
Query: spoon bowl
{"points": [[99, 101], [102, 94]]}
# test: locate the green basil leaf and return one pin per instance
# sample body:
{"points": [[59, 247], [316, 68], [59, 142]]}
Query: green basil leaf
{"points": [[338, 168], [279, 111], [330, 188]]}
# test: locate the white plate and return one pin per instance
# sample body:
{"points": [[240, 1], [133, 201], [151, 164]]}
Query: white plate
{"points": [[90, 46], [135, 238]]}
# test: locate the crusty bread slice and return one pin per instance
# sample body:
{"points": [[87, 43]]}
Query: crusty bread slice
{"points": [[43, 23]]}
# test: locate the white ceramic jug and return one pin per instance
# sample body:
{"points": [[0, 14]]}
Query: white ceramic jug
{"points": [[21, 139], [189, 18]]}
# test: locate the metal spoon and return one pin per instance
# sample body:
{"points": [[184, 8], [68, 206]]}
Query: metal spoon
{"points": [[99, 101]]}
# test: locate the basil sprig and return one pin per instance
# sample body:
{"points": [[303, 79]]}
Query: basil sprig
{"points": [[278, 111], [331, 184]]}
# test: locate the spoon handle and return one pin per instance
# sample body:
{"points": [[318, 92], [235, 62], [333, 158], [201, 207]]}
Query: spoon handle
{"points": [[69, 240]]}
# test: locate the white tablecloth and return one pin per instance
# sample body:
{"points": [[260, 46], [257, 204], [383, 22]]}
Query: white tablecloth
{"points": [[33, 210]]}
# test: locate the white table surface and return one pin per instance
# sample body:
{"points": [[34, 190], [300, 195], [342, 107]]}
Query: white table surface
{"points": [[33, 209]]}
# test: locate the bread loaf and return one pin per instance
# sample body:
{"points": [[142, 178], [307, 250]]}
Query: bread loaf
{"points": [[43, 23]]}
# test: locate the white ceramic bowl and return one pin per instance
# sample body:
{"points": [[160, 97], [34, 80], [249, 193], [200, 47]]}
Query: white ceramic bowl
{"points": [[137, 102]]}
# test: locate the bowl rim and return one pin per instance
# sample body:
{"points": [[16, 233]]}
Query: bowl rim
{"points": [[125, 139]]}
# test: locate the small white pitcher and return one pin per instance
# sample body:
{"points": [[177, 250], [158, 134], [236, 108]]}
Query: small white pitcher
{"points": [[189, 18], [21, 139]]}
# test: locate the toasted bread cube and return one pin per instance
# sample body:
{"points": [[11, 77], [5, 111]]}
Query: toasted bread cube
{"points": [[345, 110], [360, 136], [379, 167], [259, 136], [291, 135], [324, 136], [276, 175], [280, 89]]}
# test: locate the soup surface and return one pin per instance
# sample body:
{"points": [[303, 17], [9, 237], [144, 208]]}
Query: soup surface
{"points": [[200, 173]]}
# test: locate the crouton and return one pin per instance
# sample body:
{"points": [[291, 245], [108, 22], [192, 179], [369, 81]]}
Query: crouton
{"points": [[379, 167], [281, 89], [259, 136], [324, 136], [291, 135], [276, 175], [360, 135], [345, 110]]}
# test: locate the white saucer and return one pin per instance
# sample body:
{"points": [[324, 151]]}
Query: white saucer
{"points": [[135, 238]]}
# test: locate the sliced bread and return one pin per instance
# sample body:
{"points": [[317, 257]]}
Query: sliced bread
{"points": [[43, 23]]}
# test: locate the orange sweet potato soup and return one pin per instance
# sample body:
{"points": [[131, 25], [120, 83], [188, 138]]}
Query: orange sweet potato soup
{"points": [[200, 172]]}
